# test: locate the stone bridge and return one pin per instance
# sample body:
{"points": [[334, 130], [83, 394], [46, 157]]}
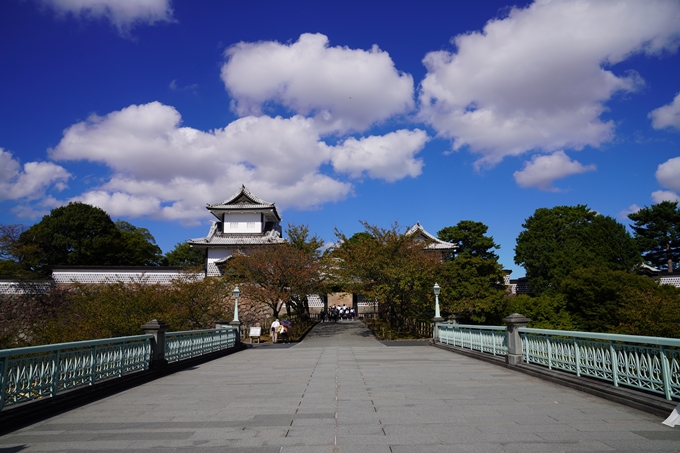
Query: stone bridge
{"points": [[340, 390]]}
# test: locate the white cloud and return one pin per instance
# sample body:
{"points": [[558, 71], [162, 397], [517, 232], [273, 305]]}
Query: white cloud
{"points": [[30, 182], [165, 170], [389, 157], [122, 13], [537, 79], [541, 171], [664, 195], [667, 116], [630, 210], [668, 174], [345, 89]]}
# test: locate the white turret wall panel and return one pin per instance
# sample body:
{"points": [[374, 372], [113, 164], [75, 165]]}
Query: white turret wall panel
{"points": [[235, 222]]}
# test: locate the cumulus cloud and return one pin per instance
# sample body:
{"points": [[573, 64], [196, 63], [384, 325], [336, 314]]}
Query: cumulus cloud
{"points": [[541, 171], [667, 116], [166, 170], [344, 89], [668, 175], [122, 13], [538, 78], [389, 157], [664, 195], [31, 181]]}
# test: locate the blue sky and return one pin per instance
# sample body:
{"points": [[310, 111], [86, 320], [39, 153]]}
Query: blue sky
{"points": [[384, 112]]}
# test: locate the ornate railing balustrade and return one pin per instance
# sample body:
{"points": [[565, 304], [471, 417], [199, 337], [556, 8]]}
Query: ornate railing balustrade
{"points": [[193, 343], [491, 339], [43, 371], [645, 363]]}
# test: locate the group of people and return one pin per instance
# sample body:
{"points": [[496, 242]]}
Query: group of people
{"points": [[336, 313], [279, 330]]}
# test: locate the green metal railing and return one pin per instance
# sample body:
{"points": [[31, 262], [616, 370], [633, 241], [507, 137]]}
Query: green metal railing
{"points": [[43, 371], [492, 339], [645, 363], [193, 343]]}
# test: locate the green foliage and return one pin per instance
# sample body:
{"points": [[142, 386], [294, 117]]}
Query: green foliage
{"points": [[657, 233], [471, 279], [388, 266], [76, 234], [471, 239], [185, 255], [138, 246], [472, 288], [547, 311], [557, 241], [298, 237], [595, 296], [651, 312], [119, 309], [13, 253]]}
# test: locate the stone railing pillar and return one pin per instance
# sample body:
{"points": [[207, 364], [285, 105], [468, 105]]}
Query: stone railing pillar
{"points": [[435, 327], [514, 322], [157, 329]]}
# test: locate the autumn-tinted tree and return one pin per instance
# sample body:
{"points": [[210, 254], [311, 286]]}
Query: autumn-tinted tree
{"points": [[387, 266], [185, 255], [138, 246], [559, 240], [276, 274], [76, 234], [13, 252], [657, 233]]}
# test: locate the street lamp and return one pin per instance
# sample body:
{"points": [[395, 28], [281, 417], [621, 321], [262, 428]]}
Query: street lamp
{"points": [[437, 290], [236, 292]]}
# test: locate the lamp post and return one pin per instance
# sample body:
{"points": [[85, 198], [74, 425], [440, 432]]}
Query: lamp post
{"points": [[236, 323], [437, 316]]}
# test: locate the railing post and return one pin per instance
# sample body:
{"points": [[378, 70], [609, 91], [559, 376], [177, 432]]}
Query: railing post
{"points": [[157, 329], [435, 328], [514, 322], [3, 381]]}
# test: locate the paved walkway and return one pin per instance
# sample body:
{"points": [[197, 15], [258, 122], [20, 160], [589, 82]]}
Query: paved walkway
{"points": [[342, 391]]}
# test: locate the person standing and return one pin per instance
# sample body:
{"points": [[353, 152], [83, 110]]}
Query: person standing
{"points": [[275, 330]]}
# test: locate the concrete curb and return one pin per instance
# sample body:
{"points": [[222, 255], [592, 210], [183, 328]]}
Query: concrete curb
{"points": [[640, 400], [16, 417]]}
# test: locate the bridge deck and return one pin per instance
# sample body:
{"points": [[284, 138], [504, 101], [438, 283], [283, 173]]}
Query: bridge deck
{"points": [[342, 391]]}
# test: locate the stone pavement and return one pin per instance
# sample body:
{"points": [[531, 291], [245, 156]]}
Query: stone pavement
{"points": [[342, 391]]}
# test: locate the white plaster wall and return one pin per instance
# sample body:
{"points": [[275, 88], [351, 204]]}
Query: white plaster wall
{"points": [[243, 223]]}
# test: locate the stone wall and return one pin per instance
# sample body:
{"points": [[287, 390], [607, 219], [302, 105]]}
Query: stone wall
{"points": [[19, 313]]}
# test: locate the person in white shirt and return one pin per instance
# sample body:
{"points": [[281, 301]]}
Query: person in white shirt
{"points": [[275, 330]]}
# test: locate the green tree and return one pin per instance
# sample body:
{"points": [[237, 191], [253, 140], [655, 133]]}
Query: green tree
{"points": [[298, 237], [472, 280], [547, 311], [387, 266], [596, 295], [471, 239], [657, 233], [138, 246], [185, 255], [559, 240], [76, 234]]}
